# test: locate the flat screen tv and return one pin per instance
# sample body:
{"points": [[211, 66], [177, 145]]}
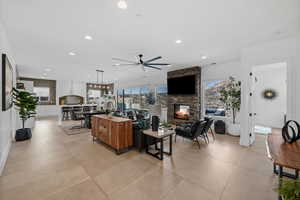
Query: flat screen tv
{"points": [[185, 85]]}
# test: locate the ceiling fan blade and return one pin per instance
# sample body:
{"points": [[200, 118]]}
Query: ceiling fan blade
{"points": [[123, 60], [156, 58], [158, 64], [151, 66], [124, 64]]}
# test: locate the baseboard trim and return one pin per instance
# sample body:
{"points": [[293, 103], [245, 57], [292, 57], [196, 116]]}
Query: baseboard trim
{"points": [[4, 156]]}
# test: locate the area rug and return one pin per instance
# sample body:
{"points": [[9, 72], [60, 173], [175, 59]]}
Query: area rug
{"points": [[67, 127]]}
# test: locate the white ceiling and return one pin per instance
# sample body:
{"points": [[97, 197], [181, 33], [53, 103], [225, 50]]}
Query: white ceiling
{"points": [[42, 33]]}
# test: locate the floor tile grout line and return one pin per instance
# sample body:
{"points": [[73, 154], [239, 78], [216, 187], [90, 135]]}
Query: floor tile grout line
{"points": [[67, 187]]}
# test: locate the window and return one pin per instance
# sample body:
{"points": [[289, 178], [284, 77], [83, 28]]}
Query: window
{"points": [[45, 90], [136, 98], [94, 95], [212, 104], [43, 94], [162, 95], [95, 91], [147, 98]]}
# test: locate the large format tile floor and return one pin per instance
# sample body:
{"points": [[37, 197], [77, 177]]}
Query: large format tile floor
{"points": [[55, 166]]}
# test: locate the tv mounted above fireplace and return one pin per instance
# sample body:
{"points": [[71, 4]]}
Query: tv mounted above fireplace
{"points": [[185, 85], [181, 112]]}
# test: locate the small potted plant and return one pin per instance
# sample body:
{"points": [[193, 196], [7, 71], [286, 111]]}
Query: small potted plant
{"points": [[231, 97], [25, 103], [289, 190]]}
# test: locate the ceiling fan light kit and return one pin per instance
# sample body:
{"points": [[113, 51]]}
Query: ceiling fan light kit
{"points": [[148, 63]]}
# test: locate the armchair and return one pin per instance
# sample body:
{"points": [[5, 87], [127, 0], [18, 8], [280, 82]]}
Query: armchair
{"points": [[209, 122], [192, 132]]}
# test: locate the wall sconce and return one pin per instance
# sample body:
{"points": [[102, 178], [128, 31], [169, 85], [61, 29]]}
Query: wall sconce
{"points": [[269, 94]]}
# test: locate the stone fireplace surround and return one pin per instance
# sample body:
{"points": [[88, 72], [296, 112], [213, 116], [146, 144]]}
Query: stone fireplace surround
{"points": [[190, 100]]}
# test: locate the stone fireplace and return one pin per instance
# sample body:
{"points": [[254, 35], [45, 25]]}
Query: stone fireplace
{"points": [[182, 108]]}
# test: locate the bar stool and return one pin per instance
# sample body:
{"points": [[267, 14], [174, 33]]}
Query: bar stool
{"points": [[86, 108], [66, 113], [78, 116]]}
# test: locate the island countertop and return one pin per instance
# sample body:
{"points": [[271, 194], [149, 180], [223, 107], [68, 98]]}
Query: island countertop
{"points": [[75, 105], [112, 118]]}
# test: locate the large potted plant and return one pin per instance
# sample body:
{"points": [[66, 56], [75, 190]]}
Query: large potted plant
{"points": [[150, 98], [289, 190], [26, 104], [231, 97]]}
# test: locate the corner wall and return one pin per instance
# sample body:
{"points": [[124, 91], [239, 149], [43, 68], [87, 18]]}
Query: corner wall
{"points": [[7, 118]]}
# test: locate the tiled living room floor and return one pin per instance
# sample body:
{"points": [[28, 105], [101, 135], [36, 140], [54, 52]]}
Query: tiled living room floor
{"points": [[55, 166]]}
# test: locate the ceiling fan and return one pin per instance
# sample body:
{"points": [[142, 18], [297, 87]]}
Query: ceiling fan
{"points": [[148, 63]]}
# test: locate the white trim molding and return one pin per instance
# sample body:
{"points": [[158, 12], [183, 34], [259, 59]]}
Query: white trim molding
{"points": [[4, 156]]}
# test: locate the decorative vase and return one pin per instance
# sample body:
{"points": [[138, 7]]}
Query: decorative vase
{"points": [[23, 134], [234, 129], [155, 123]]}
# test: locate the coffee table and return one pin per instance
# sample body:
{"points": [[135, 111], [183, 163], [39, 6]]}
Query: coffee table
{"points": [[159, 136]]}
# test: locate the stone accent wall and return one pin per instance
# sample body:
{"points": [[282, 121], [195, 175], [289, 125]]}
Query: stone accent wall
{"points": [[190, 100]]}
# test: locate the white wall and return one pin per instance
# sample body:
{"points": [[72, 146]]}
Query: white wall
{"points": [[270, 112], [222, 71], [7, 118], [284, 50]]}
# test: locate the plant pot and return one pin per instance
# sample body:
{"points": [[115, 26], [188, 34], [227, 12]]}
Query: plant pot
{"points": [[23, 134], [234, 129]]}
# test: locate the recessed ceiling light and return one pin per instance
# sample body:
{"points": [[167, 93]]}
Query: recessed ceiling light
{"points": [[72, 54], [48, 70], [203, 57], [178, 41], [44, 74], [88, 37], [117, 64], [122, 4]]}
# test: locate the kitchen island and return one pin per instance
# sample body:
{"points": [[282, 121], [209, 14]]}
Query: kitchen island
{"points": [[115, 132]]}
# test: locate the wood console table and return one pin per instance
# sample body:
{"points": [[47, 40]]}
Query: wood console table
{"points": [[116, 132], [283, 155]]}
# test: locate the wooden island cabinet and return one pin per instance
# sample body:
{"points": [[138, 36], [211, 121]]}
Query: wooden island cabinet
{"points": [[116, 132]]}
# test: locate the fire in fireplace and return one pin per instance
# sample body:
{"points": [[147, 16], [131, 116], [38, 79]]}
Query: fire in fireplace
{"points": [[181, 111]]}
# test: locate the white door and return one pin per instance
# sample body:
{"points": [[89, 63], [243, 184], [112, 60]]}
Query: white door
{"points": [[267, 112], [270, 95]]}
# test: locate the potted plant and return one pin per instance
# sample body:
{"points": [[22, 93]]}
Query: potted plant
{"points": [[290, 189], [231, 97], [25, 103], [150, 98]]}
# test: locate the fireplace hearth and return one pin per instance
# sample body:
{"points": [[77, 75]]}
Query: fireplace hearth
{"points": [[181, 112]]}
